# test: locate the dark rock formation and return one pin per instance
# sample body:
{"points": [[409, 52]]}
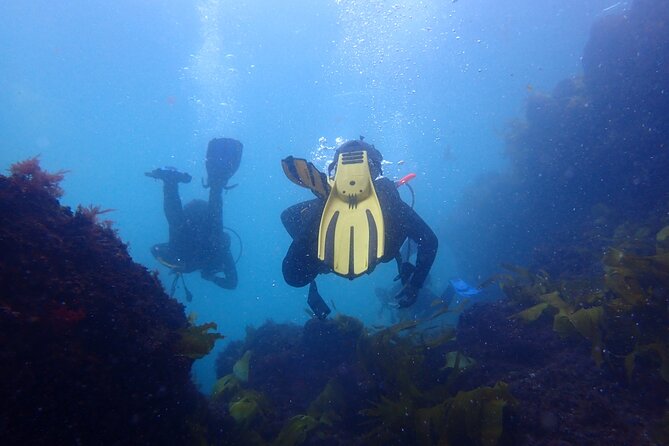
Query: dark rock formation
{"points": [[87, 337]]}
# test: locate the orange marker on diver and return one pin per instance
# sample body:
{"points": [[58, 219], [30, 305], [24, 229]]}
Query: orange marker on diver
{"points": [[405, 179]]}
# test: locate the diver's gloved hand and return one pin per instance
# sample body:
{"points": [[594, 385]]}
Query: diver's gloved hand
{"points": [[406, 270], [407, 296]]}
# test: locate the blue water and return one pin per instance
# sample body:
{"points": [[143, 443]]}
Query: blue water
{"points": [[109, 90]]}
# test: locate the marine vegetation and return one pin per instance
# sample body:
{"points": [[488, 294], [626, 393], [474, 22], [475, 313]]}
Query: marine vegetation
{"points": [[624, 317], [617, 316], [196, 341], [343, 384], [89, 341], [30, 174], [583, 207]]}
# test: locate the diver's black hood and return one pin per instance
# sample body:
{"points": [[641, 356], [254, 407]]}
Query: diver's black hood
{"points": [[373, 156]]}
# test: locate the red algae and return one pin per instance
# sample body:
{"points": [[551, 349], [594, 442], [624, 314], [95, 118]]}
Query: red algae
{"points": [[33, 176]]}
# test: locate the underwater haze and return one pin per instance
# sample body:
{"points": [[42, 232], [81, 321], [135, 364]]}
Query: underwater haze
{"points": [[109, 90], [476, 97]]}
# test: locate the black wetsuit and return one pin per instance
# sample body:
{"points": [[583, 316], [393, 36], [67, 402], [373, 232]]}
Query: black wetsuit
{"points": [[301, 264], [197, 240]]}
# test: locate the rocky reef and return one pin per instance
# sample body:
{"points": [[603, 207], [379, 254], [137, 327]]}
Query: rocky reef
{"points": [[586, 158], [92, 350], [503, 376]]}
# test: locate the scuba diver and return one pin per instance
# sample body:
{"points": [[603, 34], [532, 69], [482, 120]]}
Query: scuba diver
{"points": [[197, 240], [356, 221]]}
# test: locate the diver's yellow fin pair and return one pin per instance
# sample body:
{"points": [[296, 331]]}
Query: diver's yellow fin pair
{"points": [[305, 174], [351, 236]]}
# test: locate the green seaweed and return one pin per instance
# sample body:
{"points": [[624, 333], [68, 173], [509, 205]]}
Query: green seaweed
{"points": [[392, 417], [429, 424], [195, 341], [247, 406], [625, 303], [458, 361], [349, 326], [567, 322], [225, 387], [296, 430], [662, 241], [329, 404], [241, 367], [588, 322], [531, 314], [475, 417], [398, 359]]}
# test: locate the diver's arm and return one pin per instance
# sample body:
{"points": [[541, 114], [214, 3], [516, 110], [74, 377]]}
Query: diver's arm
{"points": [[425, 238], [413, 226]]}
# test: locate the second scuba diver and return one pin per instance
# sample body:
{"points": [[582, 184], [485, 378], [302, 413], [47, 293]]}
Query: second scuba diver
{"points": [[197, 240], [356, 221]]}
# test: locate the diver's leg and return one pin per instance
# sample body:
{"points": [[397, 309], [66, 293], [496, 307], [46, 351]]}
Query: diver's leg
{"points": [[219, 239], [216, 208], [216, 234], [173, 208], [301, 265], [301, 216]]}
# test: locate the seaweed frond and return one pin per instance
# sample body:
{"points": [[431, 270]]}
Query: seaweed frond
{"points": [[196, 341], [92, 213], [30, 172]]}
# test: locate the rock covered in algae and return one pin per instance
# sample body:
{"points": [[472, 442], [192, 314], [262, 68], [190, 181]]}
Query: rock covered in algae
{"points": [[596, 145], [87, 336], [563, 397]]}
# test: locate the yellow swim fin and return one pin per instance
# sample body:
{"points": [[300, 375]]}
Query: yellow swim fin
{"points": [[351, 235]]}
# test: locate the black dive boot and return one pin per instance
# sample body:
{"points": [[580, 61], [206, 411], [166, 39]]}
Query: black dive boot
{"points": [[169, 174], [316, 302]]}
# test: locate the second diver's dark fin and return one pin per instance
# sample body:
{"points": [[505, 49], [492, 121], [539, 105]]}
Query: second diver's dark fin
{"points": [[169, 174], [305, 174], [224, 155], [316, 302]]}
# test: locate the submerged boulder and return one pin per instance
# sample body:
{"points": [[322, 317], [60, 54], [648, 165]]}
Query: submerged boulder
{"points": [[89, 341]]}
